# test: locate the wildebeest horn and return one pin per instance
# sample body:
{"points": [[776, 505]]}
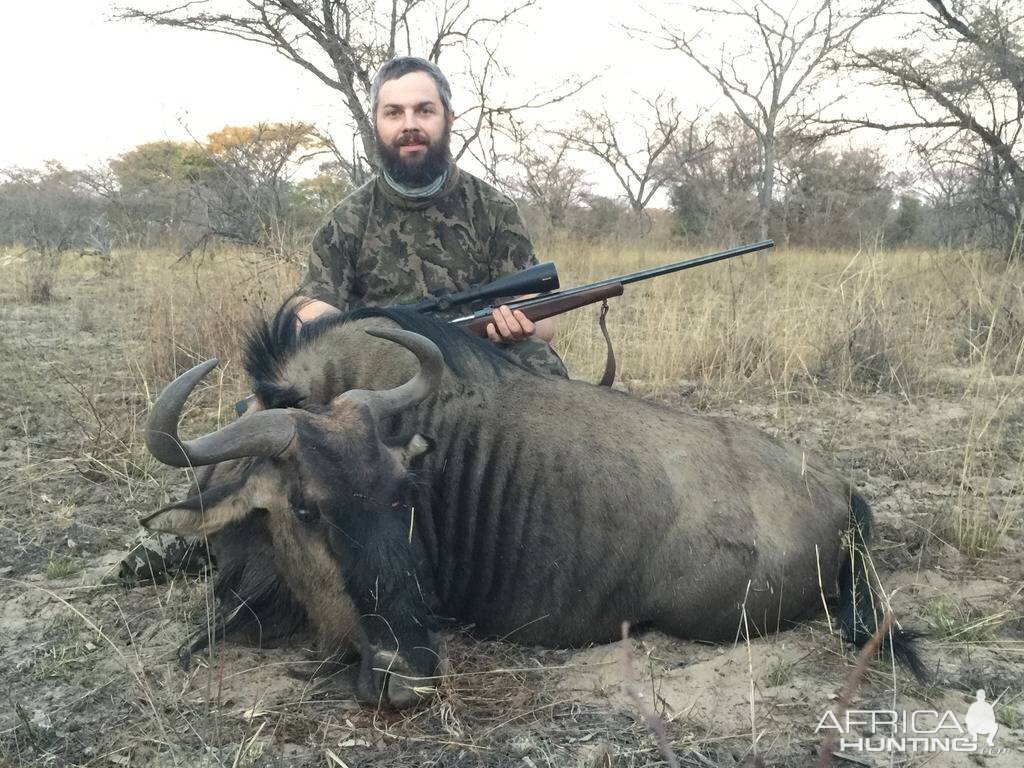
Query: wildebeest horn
{"points": [[388, 402], [264, 433]]}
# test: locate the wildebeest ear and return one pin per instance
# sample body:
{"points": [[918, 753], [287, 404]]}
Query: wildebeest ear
{"points": [[407, 450], [202, 514]]}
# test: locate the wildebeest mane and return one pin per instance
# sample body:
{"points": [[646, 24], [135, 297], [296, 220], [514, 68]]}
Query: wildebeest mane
{"points": [[269, 346]]}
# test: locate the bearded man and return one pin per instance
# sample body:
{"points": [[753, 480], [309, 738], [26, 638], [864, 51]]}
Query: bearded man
{"points": [[422, 226]]}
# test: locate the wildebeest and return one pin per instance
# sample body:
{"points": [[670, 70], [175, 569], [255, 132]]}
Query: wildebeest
{"points": [[447, 482]]}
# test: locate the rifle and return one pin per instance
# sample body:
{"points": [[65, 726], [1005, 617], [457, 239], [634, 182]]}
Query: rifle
{"points": [[542, 279], [553, 302]]}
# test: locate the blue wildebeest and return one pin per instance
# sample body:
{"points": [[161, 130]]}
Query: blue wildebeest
{"points": [[439, 480]]}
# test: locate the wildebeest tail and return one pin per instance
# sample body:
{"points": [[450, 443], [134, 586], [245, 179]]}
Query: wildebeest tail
{"points": [[858, 610]]}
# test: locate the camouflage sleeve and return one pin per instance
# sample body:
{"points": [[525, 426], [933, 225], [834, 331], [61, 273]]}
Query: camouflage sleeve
{"points": [[512, 250], [330, 273]]}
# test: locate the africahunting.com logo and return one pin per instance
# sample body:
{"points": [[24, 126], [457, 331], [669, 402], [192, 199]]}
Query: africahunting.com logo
{"points": [[923, 730]]}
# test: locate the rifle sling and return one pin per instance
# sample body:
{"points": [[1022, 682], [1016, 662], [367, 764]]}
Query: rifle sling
{"points": [[608, 377]]}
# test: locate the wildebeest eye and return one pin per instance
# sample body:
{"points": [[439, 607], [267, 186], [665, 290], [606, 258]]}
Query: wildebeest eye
{"points": [[307, 515]]}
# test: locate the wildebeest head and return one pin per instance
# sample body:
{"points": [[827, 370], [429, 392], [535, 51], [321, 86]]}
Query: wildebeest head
{"points": [[273, 471]]}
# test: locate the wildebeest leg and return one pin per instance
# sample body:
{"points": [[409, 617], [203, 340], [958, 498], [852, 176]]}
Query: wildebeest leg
{"points": [[394, 595]]}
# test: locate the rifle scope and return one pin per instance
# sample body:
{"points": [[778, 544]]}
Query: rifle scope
{"points": [[539, 278]]}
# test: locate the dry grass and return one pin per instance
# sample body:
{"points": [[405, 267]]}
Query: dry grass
{"points": [[957, 622], [192, 312], [39, 282]]}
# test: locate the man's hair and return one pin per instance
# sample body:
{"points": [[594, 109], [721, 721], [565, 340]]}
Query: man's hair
{"points": [[400, 66]]}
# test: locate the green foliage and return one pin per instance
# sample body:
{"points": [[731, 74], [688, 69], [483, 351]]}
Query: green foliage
{"points": [[159, 164], [906, 223], [310, 200], [836, 199]]}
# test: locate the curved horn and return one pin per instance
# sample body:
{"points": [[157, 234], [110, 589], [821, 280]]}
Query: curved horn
{"points": [[384, 403], [264, 433]]}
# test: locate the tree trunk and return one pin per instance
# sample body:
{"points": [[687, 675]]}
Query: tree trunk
{"points": [[764, 199]]}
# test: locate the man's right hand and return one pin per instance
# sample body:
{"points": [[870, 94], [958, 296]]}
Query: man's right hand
{"points": [[509, 325]]}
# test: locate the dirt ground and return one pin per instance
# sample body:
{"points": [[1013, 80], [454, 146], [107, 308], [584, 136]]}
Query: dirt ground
{"points": [[89, 672]]}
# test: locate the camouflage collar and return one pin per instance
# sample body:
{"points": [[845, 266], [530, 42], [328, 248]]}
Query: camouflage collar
{"points": [[400, 200]]}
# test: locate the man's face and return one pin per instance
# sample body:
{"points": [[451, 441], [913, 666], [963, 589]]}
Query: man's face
{"points": [[413, 131]]}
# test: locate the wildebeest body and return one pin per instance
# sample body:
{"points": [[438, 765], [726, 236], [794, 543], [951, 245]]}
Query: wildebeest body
{"points": [[548, 511]]}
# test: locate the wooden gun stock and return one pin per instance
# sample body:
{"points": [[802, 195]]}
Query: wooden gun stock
{"points": [[542, 307]]}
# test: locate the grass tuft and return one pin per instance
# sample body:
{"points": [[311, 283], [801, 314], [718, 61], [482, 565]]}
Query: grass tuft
{"points": [[61, 566]]}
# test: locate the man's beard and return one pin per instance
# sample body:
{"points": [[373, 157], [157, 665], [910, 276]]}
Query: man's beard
{"points": [[415, 171]]}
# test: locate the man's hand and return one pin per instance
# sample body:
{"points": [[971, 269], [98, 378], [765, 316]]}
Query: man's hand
{"points": [[512, 325], [509, 325]]}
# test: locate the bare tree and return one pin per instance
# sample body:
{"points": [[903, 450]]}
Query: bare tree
{"points": [[961, 72], [50, 213], [343, 42], [541, 173], [638, 169], [954, 180], [771, 79]]}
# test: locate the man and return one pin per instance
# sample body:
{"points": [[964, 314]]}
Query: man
{"points": [[422, 226]]}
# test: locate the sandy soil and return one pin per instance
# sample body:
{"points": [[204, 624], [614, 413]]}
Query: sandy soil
{"points": [[89, 673]]}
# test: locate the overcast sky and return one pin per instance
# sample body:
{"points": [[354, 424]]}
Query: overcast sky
{"points": [[81, 88]]}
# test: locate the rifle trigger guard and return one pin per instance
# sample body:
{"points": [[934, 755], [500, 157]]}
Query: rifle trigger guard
{"points": [[608, 377]]}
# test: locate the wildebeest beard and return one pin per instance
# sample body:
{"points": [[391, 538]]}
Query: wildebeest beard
{"points": [[415, 172]]}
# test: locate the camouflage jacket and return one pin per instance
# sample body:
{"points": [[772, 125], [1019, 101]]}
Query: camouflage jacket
{"points": [[378, 247]]}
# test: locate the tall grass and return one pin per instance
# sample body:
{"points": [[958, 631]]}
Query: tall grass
{"points": [[192, 312], [839, 322], [849, 323]]}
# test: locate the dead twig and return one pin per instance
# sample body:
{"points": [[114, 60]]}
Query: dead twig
{"points": [[852, 684], [632, 688]]}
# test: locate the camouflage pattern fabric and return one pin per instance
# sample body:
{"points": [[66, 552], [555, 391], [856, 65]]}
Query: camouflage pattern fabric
{"points": [[379, 247], [158, 557]]}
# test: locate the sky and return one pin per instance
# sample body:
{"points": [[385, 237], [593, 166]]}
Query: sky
{"points": [[81, 87]]}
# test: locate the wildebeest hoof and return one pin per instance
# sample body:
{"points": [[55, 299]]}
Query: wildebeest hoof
{"points": [[386, 680]]}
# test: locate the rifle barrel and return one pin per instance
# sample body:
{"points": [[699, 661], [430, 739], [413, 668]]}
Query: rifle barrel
{"points": [[699, 261]]}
